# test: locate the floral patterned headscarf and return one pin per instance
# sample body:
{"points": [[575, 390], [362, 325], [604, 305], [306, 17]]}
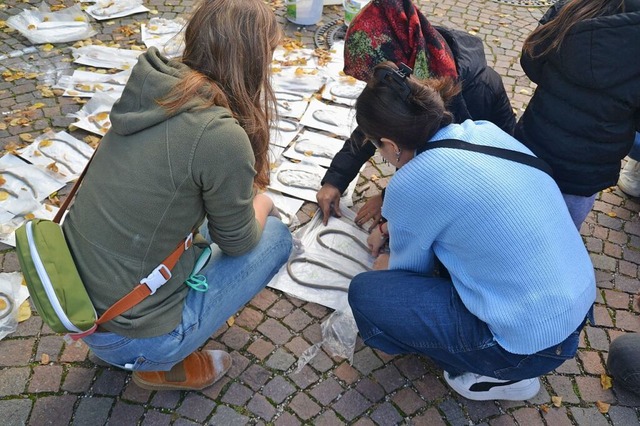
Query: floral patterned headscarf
{"points": [[395, 30]]}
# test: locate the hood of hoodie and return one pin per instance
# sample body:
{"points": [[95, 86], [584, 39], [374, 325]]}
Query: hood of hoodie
{"points": [[152, 78], [601, 52]]}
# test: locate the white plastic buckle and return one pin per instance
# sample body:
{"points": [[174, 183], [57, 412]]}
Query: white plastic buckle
{"points": [[188, 242], [156, 279]]}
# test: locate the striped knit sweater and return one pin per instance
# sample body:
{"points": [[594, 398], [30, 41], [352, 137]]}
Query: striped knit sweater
{"points": [[502, 230]]}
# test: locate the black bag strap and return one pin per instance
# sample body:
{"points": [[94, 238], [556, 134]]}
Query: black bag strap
{"points": [[507, 154]]}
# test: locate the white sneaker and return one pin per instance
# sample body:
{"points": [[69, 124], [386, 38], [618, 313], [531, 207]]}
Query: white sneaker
{"points": [[484, 388], [629, 181]]}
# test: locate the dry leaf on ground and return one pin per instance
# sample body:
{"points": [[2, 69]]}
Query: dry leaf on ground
{"points": [[556, 400]]}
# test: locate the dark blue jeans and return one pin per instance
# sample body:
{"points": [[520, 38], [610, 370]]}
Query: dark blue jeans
{"points": [[406, 312]]}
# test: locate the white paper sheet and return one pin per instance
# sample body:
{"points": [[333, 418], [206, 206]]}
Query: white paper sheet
{"points": [[58, 154], [94, 115], [343, 90], [164, 34], [334, 299], [287, 206], [338, 120], [111, 9], [314, 147], [8, 228], [106, 57], [85, 84]]}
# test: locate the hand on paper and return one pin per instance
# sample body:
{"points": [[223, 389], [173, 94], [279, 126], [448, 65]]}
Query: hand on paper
{"points": [[376, 241], [372, 209], [329, 202]]}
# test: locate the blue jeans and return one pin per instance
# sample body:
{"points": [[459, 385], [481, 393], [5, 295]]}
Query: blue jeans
{"points": [[233, 281], [405, 312], [579, 207]]}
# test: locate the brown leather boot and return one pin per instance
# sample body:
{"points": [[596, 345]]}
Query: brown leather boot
{"points": [[197, 371]]}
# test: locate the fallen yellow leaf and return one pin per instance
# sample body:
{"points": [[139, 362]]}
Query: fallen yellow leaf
{"points": [[27, 137], [605, 381], [45, 359], [231, 321], [4, 195], [603, 407], [556, 400], [45, 143], [612, 214], [24, 311], [47, 47]]}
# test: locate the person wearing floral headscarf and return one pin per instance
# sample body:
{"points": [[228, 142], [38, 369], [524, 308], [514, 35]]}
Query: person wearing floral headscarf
{"points": [[396, 30]]}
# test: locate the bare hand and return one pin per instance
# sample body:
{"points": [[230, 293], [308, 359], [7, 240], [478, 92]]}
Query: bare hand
{"points": [[381, 263], [372, 209], [329, 201], [376, 241]]}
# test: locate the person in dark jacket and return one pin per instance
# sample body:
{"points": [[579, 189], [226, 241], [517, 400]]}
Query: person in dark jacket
{"points": [[582, 118], [396, 30]]}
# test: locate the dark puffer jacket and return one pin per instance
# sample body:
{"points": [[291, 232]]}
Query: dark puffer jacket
{"points": [[585, 111], [483, 98]]}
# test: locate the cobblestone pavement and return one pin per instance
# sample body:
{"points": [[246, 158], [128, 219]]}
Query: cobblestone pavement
{"points": [[273, 330]]}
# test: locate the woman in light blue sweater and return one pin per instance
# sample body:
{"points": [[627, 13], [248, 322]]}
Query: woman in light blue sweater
{"points": [[521, 282]]}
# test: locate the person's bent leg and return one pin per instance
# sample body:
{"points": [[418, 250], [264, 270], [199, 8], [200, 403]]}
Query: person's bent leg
{"points": [[579, 207], [232, 281], [404, 312], [624, 361]]}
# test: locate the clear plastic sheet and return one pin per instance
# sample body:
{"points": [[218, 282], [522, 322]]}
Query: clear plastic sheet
{"points": [[43, 26]]}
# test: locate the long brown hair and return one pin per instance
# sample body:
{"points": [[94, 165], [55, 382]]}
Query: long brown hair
{"points": [[549, 37], [409, 113], [228, 47]]}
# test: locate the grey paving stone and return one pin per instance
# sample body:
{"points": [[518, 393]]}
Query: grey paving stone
{"points": [[326, 391], [328, 418], [365, 361], [278, 389], [15, 411], [389, 378], [370, 389], [386, 414], [228, 416], [237, 394], [304, 406], [156, 418], [45, 378], [126, 414], [408, 401], [287, 419], [92, 411], [13, 381], [240, 363], [166, 399], [260, 406], [110, 382], [410, 366], [452, 412], [304, 378], [275, 331], [622, 416], [351, 405], [236, 337], [53, 410], [280, 360], [14, 352], [255, 376], [588, 416], [196, 407]]}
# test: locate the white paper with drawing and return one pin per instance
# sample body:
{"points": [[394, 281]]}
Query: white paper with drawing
{"points": [[315, 148], [335, 119], [321, 272]]}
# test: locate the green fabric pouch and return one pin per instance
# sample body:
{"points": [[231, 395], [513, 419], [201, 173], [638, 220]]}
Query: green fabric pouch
{"points": [[53, 281]]}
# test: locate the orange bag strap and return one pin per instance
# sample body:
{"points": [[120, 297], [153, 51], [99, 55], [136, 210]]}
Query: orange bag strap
{"points": [[147, 286]]}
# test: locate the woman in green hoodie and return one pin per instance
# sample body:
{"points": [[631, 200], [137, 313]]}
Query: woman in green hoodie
{"points": [[188, 143]]}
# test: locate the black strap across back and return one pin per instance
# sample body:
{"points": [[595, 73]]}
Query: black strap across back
{"points": [[507, 154]]}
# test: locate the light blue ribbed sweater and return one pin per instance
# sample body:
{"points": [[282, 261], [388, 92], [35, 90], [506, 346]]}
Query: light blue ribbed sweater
{"points": [[502, 230]]}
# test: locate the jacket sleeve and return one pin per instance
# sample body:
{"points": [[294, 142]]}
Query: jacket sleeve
{"points": [[346, 163], [487, 99]]}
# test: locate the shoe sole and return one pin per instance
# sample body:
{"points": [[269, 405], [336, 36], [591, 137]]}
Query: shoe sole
{"points": [[525, 392], [155, 386]]}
